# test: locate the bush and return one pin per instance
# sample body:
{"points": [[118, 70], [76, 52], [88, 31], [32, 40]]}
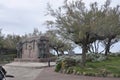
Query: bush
{"points": [[69, 70], [68, 62], [60, 59], [115, 54], [89, 73], [64, 62], [92, 57], [77, 58], [104, 72], [116, 75], [58, 67], [6, 58], [69, 65]]}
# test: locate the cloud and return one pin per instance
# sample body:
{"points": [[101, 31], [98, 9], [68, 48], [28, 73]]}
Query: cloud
{"points": [[21, 16]]}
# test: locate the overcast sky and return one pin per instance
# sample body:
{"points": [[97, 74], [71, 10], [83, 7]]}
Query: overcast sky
{"points": [[22, 16]]}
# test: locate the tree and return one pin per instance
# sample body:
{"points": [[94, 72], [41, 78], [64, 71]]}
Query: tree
{"points": [[11, 41], [58, 44], [78, 24], [110, 25], [108, 44], [94, 47], [68, 46], [1, 38]]}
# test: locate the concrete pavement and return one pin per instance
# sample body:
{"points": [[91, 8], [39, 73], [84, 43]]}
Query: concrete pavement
{"points": [[22, 73], [30, 64], [25, 70]]}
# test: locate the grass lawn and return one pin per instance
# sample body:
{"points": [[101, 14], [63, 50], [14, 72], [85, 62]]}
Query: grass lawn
{"points": [[110, 67]]}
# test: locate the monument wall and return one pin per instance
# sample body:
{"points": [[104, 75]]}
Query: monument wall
{"points": [[33, 48]]}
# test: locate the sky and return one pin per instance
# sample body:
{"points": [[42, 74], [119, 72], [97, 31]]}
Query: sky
{"points": [[22, 16]]}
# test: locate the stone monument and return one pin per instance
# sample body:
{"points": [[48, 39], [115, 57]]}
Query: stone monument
{"points": [[33, 49]]}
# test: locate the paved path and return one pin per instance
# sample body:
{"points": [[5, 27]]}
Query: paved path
{"points": [[21, 73], [30, 64], [49, 74], [25, 70]]}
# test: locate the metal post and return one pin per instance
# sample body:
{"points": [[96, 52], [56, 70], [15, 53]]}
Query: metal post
{"points": [[49, 63]]}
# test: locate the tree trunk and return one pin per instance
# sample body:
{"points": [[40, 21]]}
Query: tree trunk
{"points": [[62, 52], [84, 51], [57, 53], [107, 48]]}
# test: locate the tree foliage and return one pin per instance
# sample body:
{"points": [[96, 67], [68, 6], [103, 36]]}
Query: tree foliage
{"points": [[111, 25], [84, 26], [58, 44], [1, 39], [10, 41]]}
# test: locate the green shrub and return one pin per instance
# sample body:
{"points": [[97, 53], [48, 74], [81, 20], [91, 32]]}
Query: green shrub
{"points": [[114, 54], [58, 67], [64, 62], [69, 70], [89, 73], [6, 58], [77, 58], [104, 68], [116, 75], [69, 62], [92, 57]]}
